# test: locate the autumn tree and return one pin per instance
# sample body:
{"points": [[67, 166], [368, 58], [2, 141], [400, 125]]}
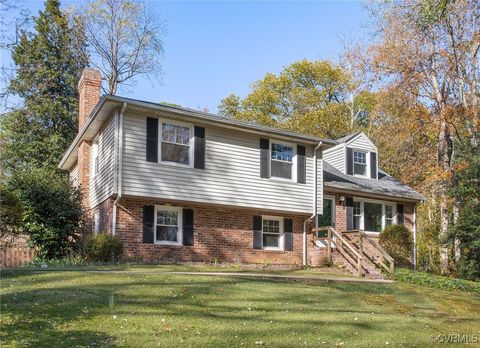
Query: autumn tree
{"points": [[427, 52], [307, 96], [125, 40]]}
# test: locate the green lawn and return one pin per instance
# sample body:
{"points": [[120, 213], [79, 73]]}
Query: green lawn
{"points": [[78, 309]]}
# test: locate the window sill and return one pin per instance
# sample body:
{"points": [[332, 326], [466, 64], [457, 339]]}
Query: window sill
{"points": [[278, 179], [273, 249], [175, 164], [169, 243]]}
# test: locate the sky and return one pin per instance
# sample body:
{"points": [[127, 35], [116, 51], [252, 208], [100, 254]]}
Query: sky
{"points": [[216, 48]]}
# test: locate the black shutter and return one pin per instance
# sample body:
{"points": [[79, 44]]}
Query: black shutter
{"points": [[148, 223], [373, 165], [152, 139], [349, 201], [400, 214], [288, 234], [257, 232], [188, 227], [264, 158], [301, 164], [349, 161], [349, 218], [199, 148]]}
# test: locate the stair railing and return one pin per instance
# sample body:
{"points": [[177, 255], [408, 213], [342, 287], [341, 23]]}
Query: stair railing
{"points": [[347, 250]]}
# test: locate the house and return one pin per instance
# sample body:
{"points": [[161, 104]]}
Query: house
{"points": [[181, 185]]}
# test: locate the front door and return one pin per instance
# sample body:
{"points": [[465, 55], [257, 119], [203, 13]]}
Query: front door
{"points": [[327, 218]]}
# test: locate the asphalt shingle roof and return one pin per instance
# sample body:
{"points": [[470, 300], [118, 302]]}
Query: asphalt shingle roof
{"points": [[385, 185]]}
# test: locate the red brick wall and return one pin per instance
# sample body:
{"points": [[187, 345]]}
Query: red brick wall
{"points": [[225, 234], [105, 214]]}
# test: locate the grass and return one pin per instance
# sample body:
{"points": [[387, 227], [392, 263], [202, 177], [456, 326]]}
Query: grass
{"points": [[80, 309]]}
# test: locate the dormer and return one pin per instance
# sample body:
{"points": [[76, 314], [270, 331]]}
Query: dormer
{"points": [[355, 154]]}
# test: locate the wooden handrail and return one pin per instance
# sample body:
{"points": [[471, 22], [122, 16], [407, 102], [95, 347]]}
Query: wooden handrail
{"points": [[382, 251], [340, 247], [377, 246]]}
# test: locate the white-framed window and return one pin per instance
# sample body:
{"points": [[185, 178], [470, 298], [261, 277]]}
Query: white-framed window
{"points": [[96, 220], [372, 215], [357, 215], [272, 233], [360, 163], [168, 225], [176, 142], [388, 215], [95, 157], [282, 160]]}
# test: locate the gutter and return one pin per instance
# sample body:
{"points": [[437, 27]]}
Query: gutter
{"points": [[414, 236], [315, 186], [119, 169]]}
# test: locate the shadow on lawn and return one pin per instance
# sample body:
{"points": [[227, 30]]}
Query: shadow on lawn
{"points": [[35, 315]]}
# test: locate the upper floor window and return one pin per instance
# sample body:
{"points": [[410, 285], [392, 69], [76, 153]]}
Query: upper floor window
{"points": [[175, 143], [360, 163], [282, 161]]}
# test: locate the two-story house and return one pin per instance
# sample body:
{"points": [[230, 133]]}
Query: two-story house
{"points": [[181, 185]]}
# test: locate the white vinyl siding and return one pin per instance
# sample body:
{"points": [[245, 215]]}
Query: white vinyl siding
{"points": [[335, 156], [361, 142], [73, 175], [101, 184], [231, 175]]}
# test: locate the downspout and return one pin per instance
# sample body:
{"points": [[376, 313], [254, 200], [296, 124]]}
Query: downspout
{"points": [[314, 203], [415, 236], [119, 168]]}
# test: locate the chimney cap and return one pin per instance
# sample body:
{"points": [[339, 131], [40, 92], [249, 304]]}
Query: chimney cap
{"points": [[90, 75]]}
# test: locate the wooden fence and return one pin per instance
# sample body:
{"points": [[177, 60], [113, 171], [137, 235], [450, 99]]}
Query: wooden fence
{"points": [[16, 254]]}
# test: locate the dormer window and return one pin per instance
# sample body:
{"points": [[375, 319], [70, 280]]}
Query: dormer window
{"points": [[360, 163]]}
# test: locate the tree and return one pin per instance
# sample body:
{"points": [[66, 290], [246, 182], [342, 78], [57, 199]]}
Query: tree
{"points": [[465, 189], [125, 38], [52, 212], [48, 62], [303, 97], [10, 216], [428, 51]]}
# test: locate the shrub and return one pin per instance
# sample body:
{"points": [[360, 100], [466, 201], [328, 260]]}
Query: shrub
{"points": [[435, 281], [52, 212], [397, 241], [103, 247]]}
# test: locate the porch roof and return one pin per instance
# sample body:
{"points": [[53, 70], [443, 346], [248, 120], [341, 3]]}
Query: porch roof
{"points": [[385, 186]]}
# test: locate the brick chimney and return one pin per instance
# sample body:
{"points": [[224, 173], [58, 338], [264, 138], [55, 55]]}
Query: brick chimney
{"points": [[88, 93], [88, 96]]}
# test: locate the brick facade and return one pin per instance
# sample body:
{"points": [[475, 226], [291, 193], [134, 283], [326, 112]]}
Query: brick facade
{"points": [[222, 234]]}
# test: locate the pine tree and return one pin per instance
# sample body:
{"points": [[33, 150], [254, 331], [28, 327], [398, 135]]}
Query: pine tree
{"points": [[49, 62]]}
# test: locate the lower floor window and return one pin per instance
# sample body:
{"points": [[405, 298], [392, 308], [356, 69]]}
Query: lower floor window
{"points": [[357, 214], [272, 233], [168, 225], [370, 216], [373, 217]]}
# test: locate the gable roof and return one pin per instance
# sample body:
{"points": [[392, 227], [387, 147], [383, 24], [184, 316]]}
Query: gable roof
{"points": [[386, 185], [347, 137], [108, 103]]}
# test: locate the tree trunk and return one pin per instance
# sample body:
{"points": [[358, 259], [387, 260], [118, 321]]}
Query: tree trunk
{"points": [[444, 164], [457, 250]]}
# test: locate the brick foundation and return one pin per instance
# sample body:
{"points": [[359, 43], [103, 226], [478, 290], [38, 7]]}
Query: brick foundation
{"points": [[222, 234]]}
